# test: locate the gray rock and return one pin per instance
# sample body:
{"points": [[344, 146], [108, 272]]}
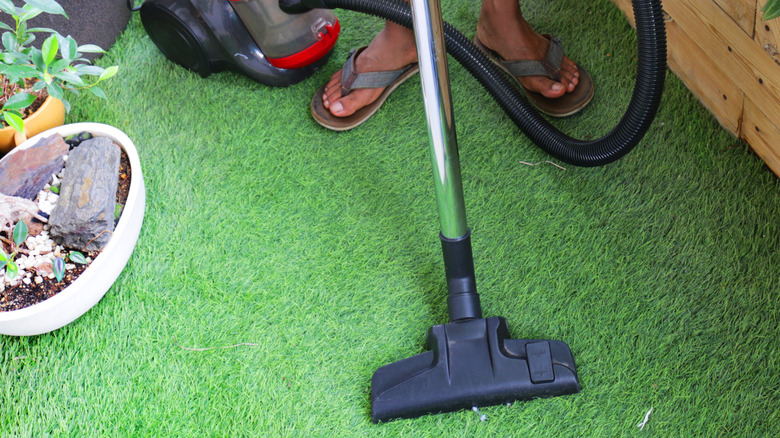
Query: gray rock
{"points": [[25, 172], [84, 215]]}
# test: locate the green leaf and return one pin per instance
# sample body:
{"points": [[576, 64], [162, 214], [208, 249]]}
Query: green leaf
{"points": [[30, 13], [59, 65], [55, 189], [90, 48], [49, 49], [97, 91], [118, 211], [20, 232], [19, 101], [37, 59], [4, 258], [58, 266], [69, 78], [64, 46], [72, 48], [92, 70], [108, 73], [11, 270], [55, 91], [48, 6], [8, 7], [77, 257], [771, 9], [14, 120], [19, 71], [9, 41], [41, 29]]}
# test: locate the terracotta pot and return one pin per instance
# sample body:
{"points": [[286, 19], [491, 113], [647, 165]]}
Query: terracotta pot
{"points": [[81, 295], [51, 114]]}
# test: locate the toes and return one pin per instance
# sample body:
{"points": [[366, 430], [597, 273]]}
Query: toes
{"points": [[569, 80], [332, 90], [569, 74], [544, 86], [346, 106]]}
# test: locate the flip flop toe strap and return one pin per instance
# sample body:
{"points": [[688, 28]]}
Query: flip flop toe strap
{"points": [[351, 80], [549, 67]]}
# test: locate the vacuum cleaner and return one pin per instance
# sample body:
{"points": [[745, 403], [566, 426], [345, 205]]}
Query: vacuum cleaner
{"points": [[472, 361], [252, 37]]}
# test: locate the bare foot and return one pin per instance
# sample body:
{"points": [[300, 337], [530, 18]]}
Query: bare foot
{"points": [[392, 49], [503, 29]]}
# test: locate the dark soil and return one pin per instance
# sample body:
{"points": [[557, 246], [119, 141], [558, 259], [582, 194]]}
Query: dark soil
{"points": [[24, 295], [9, 89]]}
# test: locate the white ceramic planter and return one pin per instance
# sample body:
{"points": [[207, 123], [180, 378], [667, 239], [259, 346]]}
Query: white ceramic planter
{"points": [[94, 282]]}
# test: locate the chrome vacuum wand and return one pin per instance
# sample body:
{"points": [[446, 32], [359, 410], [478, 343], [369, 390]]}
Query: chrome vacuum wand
{"points": [[472, 361]]}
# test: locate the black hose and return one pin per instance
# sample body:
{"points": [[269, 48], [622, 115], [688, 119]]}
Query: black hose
{"points": [[651, 71]]}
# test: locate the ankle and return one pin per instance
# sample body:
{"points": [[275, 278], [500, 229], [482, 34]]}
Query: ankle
{"points": [[392, 47], [502, 20]]}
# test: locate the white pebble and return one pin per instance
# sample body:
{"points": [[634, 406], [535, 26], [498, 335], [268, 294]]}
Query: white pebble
{"points": [[38, 279], [26, 280]]}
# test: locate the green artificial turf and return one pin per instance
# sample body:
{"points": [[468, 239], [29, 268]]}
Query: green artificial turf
{"points": [[313, 257]]}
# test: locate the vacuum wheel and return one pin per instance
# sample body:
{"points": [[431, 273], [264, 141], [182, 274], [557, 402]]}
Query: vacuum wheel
{"points": [[175, 36]]}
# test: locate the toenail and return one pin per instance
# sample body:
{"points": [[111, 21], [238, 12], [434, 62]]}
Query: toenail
{"points": [[336, 108], [557, 86]]}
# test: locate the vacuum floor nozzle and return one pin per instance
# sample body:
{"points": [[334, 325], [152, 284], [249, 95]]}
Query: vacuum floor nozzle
{"points": [[472, 363]]}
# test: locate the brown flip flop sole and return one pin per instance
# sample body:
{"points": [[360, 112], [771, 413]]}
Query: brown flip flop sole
{"points": [[566, 105], [324, 117]]}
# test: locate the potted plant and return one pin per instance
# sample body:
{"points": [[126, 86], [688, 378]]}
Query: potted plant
{"points": [[92, 284], [34, 80]]}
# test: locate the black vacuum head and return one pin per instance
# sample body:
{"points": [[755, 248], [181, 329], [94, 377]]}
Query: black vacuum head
{"points": [[472, 363]]}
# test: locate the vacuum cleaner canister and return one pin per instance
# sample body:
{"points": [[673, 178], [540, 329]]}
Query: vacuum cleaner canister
{"points": [[252, 37]]}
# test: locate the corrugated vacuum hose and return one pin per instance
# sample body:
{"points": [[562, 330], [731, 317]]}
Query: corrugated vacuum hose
{"points": [[651, 71]]}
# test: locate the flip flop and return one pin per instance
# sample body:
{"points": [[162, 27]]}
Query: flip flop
{"points": [[566, 105], [351, 80]]}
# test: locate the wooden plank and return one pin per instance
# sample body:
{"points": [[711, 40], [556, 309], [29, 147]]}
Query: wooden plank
{"points": [[768, 34], [743, 12], [723, 58], [762, 134], [627, 8], [714, 88], [738, 56]]}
